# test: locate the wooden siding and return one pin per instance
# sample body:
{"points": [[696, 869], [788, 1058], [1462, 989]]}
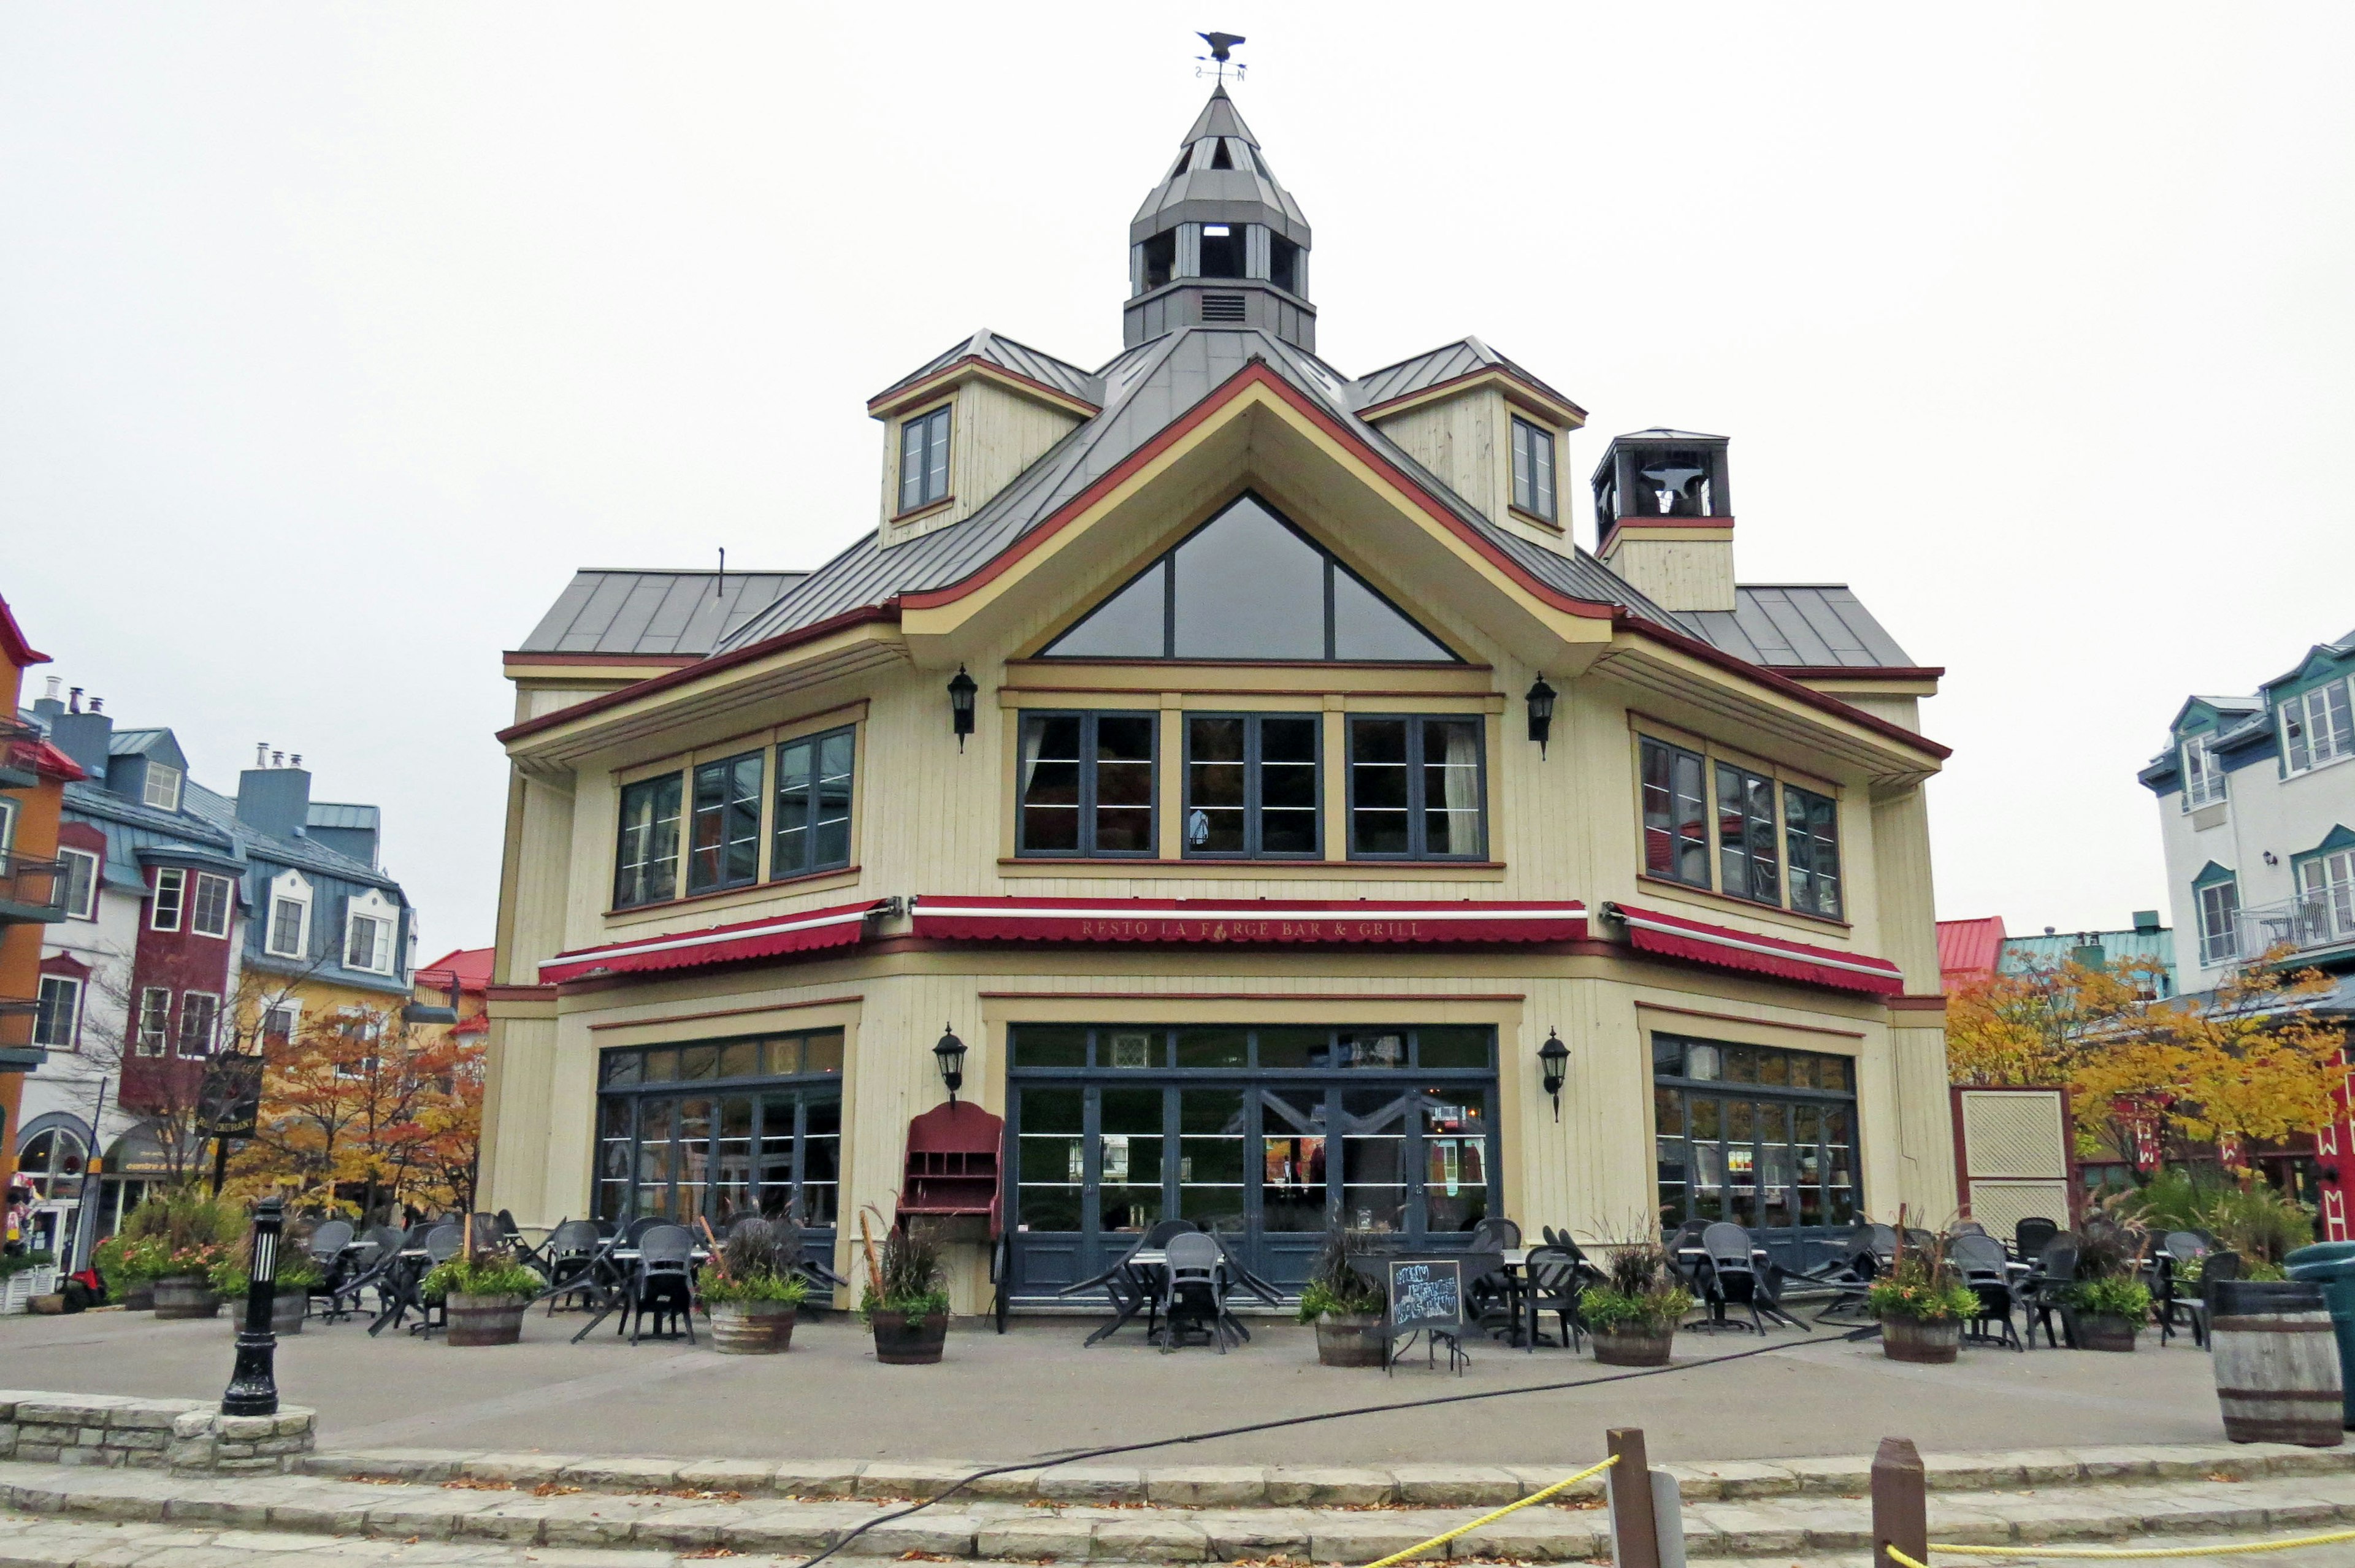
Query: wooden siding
{"points": [[993, 435], [1467, 440], [1677, 575]]}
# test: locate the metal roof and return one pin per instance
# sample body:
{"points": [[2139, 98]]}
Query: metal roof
{"points": [[621, 612], [1197, 191], [1800, 626], [1007, 355], [1447, 362], [2022, 953], [304, 854], [1968, 949], [1146, 390], [342, 813], [135, 742]]}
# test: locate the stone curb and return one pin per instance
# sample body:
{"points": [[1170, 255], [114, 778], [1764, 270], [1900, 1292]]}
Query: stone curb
{"points": [[185, 1435]]}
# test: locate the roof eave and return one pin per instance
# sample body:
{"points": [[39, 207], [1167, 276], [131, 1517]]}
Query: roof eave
{"points": [[973, 367]]}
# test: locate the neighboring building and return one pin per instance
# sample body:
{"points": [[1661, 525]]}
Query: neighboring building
{"points": [[454, 990], [1248, 766], [1968, 951], [32, 886], [195, 922]]}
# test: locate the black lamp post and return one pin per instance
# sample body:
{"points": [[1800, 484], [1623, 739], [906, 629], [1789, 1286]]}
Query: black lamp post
{"points": [[1553, 1057], [949, 1054], [253, 1386], [1541, 701], [962, 690]]}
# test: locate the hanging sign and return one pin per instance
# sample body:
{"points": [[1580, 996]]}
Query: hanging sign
{"points": [[229, 1103]]}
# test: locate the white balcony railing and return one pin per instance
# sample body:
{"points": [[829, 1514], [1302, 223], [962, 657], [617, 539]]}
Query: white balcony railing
{"points": [[2321, 917]]}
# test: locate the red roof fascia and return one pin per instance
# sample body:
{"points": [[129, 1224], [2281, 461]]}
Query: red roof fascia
{"points": [[52, 764], [470, 964], [13, 645], [1246, 921], [1673, 936], [1968, 949], [843, 925]]}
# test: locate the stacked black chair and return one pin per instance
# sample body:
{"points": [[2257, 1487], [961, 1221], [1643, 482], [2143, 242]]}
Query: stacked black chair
{"points": [[2031, 1237], [330, 1248], [568, 1258], [1551, 1282], [661, 1286], [2046, 1291], [1979, 1259], [1193, 1290]]}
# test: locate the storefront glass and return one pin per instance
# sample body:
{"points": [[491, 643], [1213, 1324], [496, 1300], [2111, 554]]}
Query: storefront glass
{"points": [[1762, 1137]]}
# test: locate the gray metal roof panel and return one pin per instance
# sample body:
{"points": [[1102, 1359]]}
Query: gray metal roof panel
{"points": [[343, 813], [1445, 363], [1195, 192], [610, 611], [1805, 626], [134, 743], [1023, 360]]}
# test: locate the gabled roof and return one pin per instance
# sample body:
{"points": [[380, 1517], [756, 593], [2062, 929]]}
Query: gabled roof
{"points": [[1456, 361], [1968, 949], [220, 811], [13, 645], [150, 743], [988, 347], [1800, 626], [2338, 649], [470, 964], [1146, 390], [679, 612]]}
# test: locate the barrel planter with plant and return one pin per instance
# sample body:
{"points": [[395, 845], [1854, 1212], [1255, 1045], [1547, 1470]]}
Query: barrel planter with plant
{"points": [[753, 1289], [483, 1296], [128, 1267], [1923, 1305], [2108, 1303], [1634, 1312], [292, 1303], [186, 1233], [2276, 1357], [906, 1302], [1347, 1307]]}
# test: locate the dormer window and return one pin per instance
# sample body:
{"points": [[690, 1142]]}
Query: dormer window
{"points": [[2203, 776], [924, 460], [1223, 250], [1533, 468], [2317, 728], [162, 787]]}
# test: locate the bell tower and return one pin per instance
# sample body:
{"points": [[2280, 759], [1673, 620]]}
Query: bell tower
{"points": [[1218, 243], [1663, 517]]}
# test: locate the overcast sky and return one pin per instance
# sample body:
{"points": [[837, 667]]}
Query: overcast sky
{"points": [[333, 337]]}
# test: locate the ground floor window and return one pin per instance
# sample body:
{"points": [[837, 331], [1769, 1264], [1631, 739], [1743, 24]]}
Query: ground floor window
{"points": [[1272, 1137], [1763, 1137], [722, 1128]]}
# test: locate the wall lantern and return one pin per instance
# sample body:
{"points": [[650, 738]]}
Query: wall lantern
{"points": [[961, 695], [949, 1054], [1554, 1058], [1541, 701]]}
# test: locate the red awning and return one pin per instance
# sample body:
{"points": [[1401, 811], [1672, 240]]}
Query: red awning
{"points": [[841, 926], [1676, 937], [1336, 920]]}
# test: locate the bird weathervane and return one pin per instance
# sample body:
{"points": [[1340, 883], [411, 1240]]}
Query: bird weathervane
{"points": [[1219, 59]]}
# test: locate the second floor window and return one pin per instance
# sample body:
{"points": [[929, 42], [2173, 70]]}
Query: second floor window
{"points": [[1749, 864], [724, 839], [813, 830], [2316, 727], [170, 900], [368, 945], [2220, 921], [1416, 789], [53, 1026], [1773, 842], [155, 1019], [924, 460], [82, 883], [1811, 827], [646, 859], [1252, 784], [1085, 784], [200, 1020], [160, 787], [1533, 468], [289, 921], [2203, 777], [209, 911], [1676, 814]]}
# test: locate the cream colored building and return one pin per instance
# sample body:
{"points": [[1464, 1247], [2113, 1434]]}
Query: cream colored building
{"points": [[1257, 874]]}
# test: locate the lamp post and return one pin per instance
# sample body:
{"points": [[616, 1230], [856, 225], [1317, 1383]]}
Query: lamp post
{"points": [[949, 1053], [1553, 1058], [962, 689], [1540, 700], [253, 1386]]}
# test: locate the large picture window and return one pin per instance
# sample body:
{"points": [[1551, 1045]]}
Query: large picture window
{"points": [[724, 837], [1085, 784], [1773, 842], [813, 826], [1676, 814], [1252, 785], [1416, 789], [646, 859], [1762, 1137]]}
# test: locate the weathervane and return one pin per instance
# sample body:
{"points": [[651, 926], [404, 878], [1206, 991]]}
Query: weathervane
{"points": [[1221, 46]]}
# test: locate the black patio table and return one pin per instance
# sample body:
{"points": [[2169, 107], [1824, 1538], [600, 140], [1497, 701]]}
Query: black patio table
{"points": [[613, 1280]]}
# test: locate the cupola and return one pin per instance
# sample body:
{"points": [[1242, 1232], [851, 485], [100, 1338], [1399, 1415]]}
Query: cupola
{"points": [[1664, 517], [1219, 242]]}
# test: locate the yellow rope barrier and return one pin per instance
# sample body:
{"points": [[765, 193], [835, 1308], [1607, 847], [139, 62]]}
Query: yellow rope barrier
{"points": [[2119, 1553], [1492, 1517]]}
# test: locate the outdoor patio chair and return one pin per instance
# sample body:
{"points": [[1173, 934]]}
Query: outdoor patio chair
{"points": [[443, 1242], [1496, 1233], [2045, 1294], [1551, 1282], [2216, 1268], [1492, 1297], [1868, 1252], [1966, 1227], [1730, 1277], [1244, 1279], [1194, 1290], [2030, 1237], [1979, 1259], [636, 1231], [662, 1286], [329, 1246], [371, 1269], [568, 1259], [1125, 1285]]}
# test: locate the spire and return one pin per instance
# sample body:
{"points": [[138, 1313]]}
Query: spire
{"points": [[1219, 242]]}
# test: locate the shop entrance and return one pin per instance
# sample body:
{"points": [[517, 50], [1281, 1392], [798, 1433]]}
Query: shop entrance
{"points": [[1272, 1136]]}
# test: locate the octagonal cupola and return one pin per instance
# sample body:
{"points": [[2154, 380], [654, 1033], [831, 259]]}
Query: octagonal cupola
{"points": [[1219, 242]]}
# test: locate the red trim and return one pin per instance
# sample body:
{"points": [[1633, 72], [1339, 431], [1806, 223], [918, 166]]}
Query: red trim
{"points": [[13, 645], [843, 925], [909, 392], [1673, 936], [1857, 672], [44, 759], [1255, 922], [66, 965], [651, 661], [887, 611]]}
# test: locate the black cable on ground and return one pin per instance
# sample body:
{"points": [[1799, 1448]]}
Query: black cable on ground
{"points": [[1076, 1456]]}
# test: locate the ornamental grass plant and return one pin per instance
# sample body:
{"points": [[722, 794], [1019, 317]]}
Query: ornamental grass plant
{"points": [[1640, 1294], [1337, 1289], [905, 1276], [2110, 1251], [757, 1261], [1923, 1285]]}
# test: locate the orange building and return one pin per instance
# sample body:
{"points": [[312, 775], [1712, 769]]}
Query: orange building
{"points": [[33, 776]]}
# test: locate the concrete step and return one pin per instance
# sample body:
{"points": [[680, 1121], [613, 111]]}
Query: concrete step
{"points": [[686, 1519]]}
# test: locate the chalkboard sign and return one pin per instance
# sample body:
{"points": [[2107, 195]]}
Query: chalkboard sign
{"points": [[1426, 1294]]}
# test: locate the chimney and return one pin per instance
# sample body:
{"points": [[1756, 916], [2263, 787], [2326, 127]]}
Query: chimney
{"points": [[274, 801], [83, 737], [2146, 919], [1664, 517], [48, 707]]}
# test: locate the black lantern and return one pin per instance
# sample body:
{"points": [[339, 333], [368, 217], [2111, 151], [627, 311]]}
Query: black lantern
{"points": [[949, 1054], [962, 689], [254, 1383], [1554, 1058], [1541, 701]]}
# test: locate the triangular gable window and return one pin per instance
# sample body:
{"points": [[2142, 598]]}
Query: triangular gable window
{"points": [[1247, 585]]}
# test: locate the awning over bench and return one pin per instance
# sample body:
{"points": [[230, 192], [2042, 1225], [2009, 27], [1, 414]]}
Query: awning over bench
{"points": [[1205, 921], [1673, 936], [841, 926]]}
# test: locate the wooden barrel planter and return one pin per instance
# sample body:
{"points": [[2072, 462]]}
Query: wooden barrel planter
{"points": [[1350, 1340], [140, 1297], [1925, 1341], [752, 1327], [188, 1295], [898, 1343], [1634, 1346], [486, 1319], [2102, 1332], [288, 1309], [2276, 1363]]}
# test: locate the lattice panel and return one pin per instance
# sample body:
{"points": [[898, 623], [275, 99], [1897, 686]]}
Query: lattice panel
{"points": [[2014, 1134], [2000, 1206]]}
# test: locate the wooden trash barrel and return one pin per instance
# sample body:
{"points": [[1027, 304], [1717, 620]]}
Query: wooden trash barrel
{"points": [[486, 1319], [2276, 1363]]}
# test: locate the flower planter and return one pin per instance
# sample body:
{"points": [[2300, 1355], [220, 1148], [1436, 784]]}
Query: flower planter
{"points": [[753, 1327], [1634, 1346], [187, 1296], [1929, 1341], [17, 1291], [2104, 1332], [139, 1297], [287, 1310], [1350, 1340], [898, 1343], [484, 1319]]}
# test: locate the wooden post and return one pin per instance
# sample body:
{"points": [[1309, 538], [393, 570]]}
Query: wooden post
{"points": [[1635, 1533], [1900, 1503]]}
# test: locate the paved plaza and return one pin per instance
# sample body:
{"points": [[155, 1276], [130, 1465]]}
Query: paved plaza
{"points": [[1035, 1392]]}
